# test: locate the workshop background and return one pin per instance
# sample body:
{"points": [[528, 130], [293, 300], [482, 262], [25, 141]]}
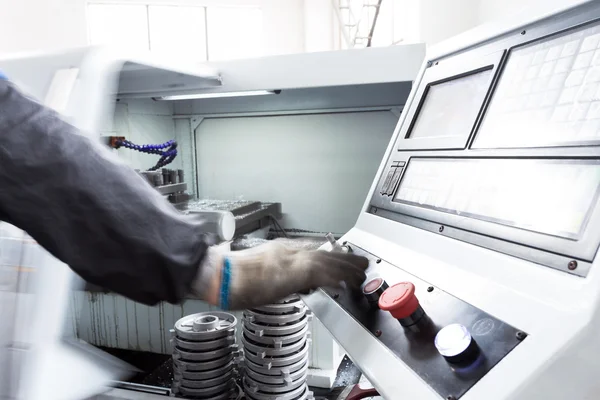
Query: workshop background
{"points": [[227, 29]]}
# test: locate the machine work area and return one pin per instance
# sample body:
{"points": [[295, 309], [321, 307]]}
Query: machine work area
{"points": [[468, 175]]}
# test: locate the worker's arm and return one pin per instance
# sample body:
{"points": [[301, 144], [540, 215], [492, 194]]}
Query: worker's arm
{"points": [[90, 210], [102, 219]]}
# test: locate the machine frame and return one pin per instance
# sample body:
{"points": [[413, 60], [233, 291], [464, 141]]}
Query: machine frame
{"points": [[559, 311]]}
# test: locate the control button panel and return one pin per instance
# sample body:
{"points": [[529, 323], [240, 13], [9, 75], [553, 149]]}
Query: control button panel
{"points": [[449, 343]]}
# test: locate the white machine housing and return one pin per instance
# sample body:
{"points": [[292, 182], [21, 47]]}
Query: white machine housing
{"points": [[557, 306]]}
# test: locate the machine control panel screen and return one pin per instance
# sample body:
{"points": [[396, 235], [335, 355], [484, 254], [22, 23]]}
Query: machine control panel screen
{"points": [[450, 108], [548, 94], [552, 197]]}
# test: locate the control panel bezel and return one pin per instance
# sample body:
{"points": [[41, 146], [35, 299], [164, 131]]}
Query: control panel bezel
{"points": [[452, 70], [569, 255]]}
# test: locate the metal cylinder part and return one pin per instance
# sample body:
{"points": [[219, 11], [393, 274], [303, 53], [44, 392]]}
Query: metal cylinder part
{"points": [[221, 223], [172, 176], [157, 178], [204, 352], [180, 176], [276, 341]]}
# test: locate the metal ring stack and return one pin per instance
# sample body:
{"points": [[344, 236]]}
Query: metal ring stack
{"points": [[204, 356], [276, 341]]}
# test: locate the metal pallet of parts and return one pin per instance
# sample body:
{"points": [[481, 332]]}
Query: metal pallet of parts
{"points": [[204, 356], [249, 215], [275, 344]]}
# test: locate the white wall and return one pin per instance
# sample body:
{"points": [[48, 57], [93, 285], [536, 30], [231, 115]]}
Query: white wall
{"points": [[41, 24], [320, 167], [27, 25], [491, 10]]}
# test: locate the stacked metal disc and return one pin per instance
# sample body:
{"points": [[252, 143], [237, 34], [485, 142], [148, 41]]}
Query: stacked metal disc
{"points": [[204, 356], [276, 341]]}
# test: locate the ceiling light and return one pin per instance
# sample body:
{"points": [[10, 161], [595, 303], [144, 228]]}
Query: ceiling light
{"points": [[218, 94]]}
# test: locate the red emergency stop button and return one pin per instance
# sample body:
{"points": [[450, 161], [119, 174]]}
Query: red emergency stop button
{"points": [[401, 302]]}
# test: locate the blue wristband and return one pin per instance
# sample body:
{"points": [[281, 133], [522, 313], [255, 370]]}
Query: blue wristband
{"points": [[225, 281]]}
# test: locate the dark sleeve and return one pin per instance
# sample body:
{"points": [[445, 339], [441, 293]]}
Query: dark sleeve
{"points": [[90, 210]]}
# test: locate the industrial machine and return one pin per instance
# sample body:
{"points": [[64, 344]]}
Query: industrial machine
{"points": [[228, 142], [482, 224]]}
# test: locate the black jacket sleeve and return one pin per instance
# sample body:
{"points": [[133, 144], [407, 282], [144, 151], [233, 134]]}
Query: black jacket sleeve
{"points": [[89, 210]]}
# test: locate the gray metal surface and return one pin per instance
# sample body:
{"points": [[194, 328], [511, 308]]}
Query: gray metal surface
{"points": [[300, 393], [275, 340], [203, 355], [172, 188], [278, 380], [199, 375], [185, 328], [254, 316], [281, 361], [253, 386], [191, 366], [276, 371], [249, 215], [274, 330], [276, 362], [270, 350]]}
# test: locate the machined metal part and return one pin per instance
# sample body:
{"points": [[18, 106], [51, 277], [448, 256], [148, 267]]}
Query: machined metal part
{"points": [[204, 346], [179, 354], [202, 326], [253, 386], [205, 383], [215, 392], [201, 375], [254, 316], [284, 378], [277, 361], [273, 329], [271, 351], [277, 371], [275, 340], [281, 308], [191, 366], [173, 176], [296, 394], [203, 355], [172, 188]]}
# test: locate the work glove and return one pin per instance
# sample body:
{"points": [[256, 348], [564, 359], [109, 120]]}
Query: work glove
{"points": [[269, 272]]}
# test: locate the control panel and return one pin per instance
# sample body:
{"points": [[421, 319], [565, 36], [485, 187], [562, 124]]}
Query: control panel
{"points": [[449, 343]]}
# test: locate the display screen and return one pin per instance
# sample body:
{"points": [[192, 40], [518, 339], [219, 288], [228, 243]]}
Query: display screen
{"points": [[546, 196], [450, 108], [548, 94]]}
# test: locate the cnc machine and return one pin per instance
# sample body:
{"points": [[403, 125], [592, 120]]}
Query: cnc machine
{"points": [[483, 223]]}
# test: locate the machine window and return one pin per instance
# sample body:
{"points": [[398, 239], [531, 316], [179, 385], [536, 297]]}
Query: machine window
{"points": [[548, 95], [528, 194], [449, 108]]}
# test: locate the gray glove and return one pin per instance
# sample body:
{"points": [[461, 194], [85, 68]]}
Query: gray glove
{"points": [[270, 272]]}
